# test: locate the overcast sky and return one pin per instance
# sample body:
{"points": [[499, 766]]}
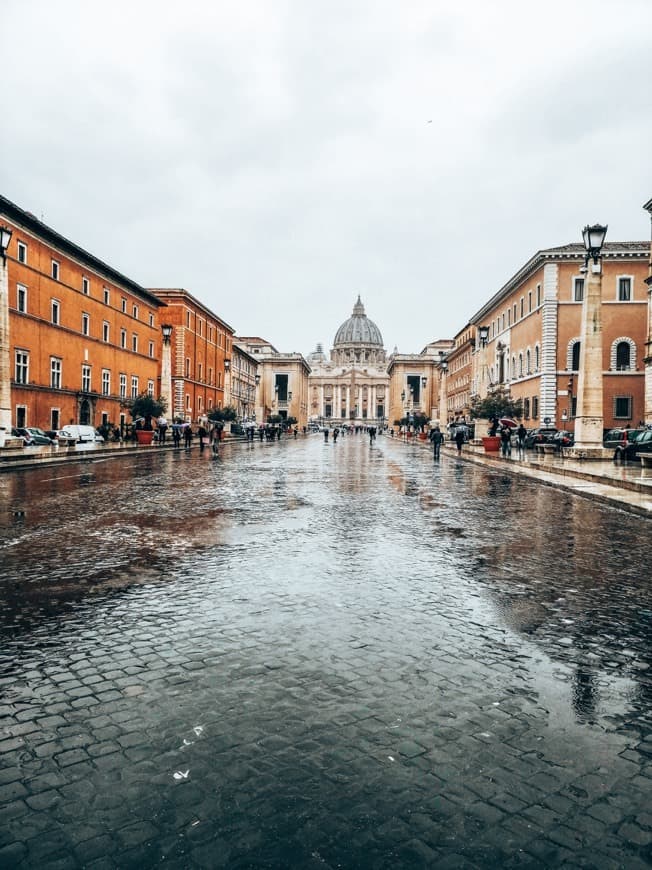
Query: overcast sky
{"points": [[277, 158]]}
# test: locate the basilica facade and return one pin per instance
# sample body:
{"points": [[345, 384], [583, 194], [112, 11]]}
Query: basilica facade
{"points": [[352, 386]]}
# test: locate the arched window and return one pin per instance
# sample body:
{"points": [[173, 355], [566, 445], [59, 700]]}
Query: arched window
{"points": [[537, 361], [623, 356], [528, 362], [520, 365], [575, 364], [513, 368]]}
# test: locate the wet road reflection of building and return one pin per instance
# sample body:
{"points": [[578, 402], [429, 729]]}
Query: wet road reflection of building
{"points": [[389, 663]]}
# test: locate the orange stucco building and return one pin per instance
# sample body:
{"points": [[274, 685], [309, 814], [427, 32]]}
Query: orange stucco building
{"points": [[534, 324], [200, 343], [82, 336]]}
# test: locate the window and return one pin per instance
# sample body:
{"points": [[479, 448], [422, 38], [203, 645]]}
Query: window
{"points": [[537, 361], [187, 371], [528, 362], [86, 286], [200, 326], [509, 317], [188, 319], [106, 331], [529, 301], [106, 295], [624, 289], [520, 365], [123, 386], [55, 372], [526, 408], [151, 319], [622, 407], [55, 270], [86, 379], [54, 311], [538, 295], [21, 298], [134, 311], [210, 375], [106, 382], [22, 367], [151, 349], [200, 371], [522, 307], [535, 407], [150, 388], [22, 252], [623, 356], [575, 363], [134, 343], [55, 417], [199, 404], [123, 305], [134, 386], [86, 324], [514, 312], [187, 402], [578, 289], [123, 338]]}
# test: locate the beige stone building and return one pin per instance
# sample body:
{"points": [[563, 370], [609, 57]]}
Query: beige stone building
{"points": [[533, 344], [415, 383], [242, 379], [352, 385], [282, 389]]}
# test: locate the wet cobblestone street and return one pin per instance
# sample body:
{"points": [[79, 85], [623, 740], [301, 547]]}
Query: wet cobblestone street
{"points": [[320, 655]]}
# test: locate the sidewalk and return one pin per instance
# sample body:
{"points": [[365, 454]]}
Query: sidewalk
{"points": [[602, 480]]}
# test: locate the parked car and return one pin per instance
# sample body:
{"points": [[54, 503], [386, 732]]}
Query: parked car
{"points": [[637, 441], [32, 436], [619, 440], [58, 436], [81, 433], [563, 438], [542, 435]]}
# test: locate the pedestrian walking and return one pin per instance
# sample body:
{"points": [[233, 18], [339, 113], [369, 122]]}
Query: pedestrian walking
{"points": [[176, 434], [326, 436], [436, 439], [202, 434], [521, 432], [459, 440], [162, 425], [372, 434], [506, 441], [187, 436], [336, 432]]}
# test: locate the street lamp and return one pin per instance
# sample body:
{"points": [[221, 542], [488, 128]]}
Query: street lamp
{"points": [[589, 419], [5, 360], [483, 335], [166, 368]]}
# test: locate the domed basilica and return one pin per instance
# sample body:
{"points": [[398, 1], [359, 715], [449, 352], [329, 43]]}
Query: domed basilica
{"points": [[352, 386]]}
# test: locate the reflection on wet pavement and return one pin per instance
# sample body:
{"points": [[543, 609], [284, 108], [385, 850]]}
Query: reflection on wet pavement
{"points": [[392, 663]]}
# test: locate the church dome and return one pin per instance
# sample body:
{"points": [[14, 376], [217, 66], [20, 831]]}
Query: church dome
{"points": [[358, 329]]}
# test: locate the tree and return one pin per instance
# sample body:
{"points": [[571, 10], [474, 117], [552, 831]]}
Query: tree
{"points": [[274, 419], [145, 406], [221, 415], [497, 404]]}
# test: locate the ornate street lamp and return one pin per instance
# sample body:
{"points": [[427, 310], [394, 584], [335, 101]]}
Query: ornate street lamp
{"points": [[166, 369], [483, 335], [5, 358], [589, 419]]}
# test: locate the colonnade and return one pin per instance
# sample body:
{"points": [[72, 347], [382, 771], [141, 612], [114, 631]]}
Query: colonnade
{"points": [[343, 396]]}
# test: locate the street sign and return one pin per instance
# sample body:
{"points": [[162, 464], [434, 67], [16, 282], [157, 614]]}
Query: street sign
{"points": [[547, 420]]}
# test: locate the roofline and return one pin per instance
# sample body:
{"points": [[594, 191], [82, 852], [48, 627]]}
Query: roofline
{"points": [[30, 223], [243, 352], [648, 206], [611, 251], [180, 291]]}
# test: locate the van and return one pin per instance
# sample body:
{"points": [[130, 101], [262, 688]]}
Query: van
{"points": [[81, 433]]}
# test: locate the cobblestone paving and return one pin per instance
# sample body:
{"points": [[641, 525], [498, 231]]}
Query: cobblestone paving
{"points": [[310, 655]]}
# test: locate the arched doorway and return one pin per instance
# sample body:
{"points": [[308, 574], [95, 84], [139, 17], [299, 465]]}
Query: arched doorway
{"points": [[85, 413]]}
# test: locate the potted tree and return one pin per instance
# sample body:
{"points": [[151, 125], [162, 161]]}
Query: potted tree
{"points": [[497, 404], [143, 409], [219, 416]]}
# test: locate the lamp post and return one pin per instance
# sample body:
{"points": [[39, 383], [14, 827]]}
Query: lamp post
{"points": [[443, 369], [5, 358], [166, 369], [589, 419]]}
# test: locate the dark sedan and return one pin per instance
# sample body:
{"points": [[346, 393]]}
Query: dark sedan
{"points": [[638, 441], [543, 435], [563, 438]]}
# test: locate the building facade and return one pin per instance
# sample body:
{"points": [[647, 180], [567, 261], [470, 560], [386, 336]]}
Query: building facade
{"points": [[82, 337], [200, 343], [241, 382], [352, 385], [282, 390], [414, 382], [533, 345]]}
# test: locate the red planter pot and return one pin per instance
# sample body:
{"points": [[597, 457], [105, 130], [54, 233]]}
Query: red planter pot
{"points": [[491, 443], [144, 436]]}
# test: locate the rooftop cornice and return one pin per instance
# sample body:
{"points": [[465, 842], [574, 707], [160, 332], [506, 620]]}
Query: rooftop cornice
{"points": [[571, 252], [31, 224], [170, 293]]}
